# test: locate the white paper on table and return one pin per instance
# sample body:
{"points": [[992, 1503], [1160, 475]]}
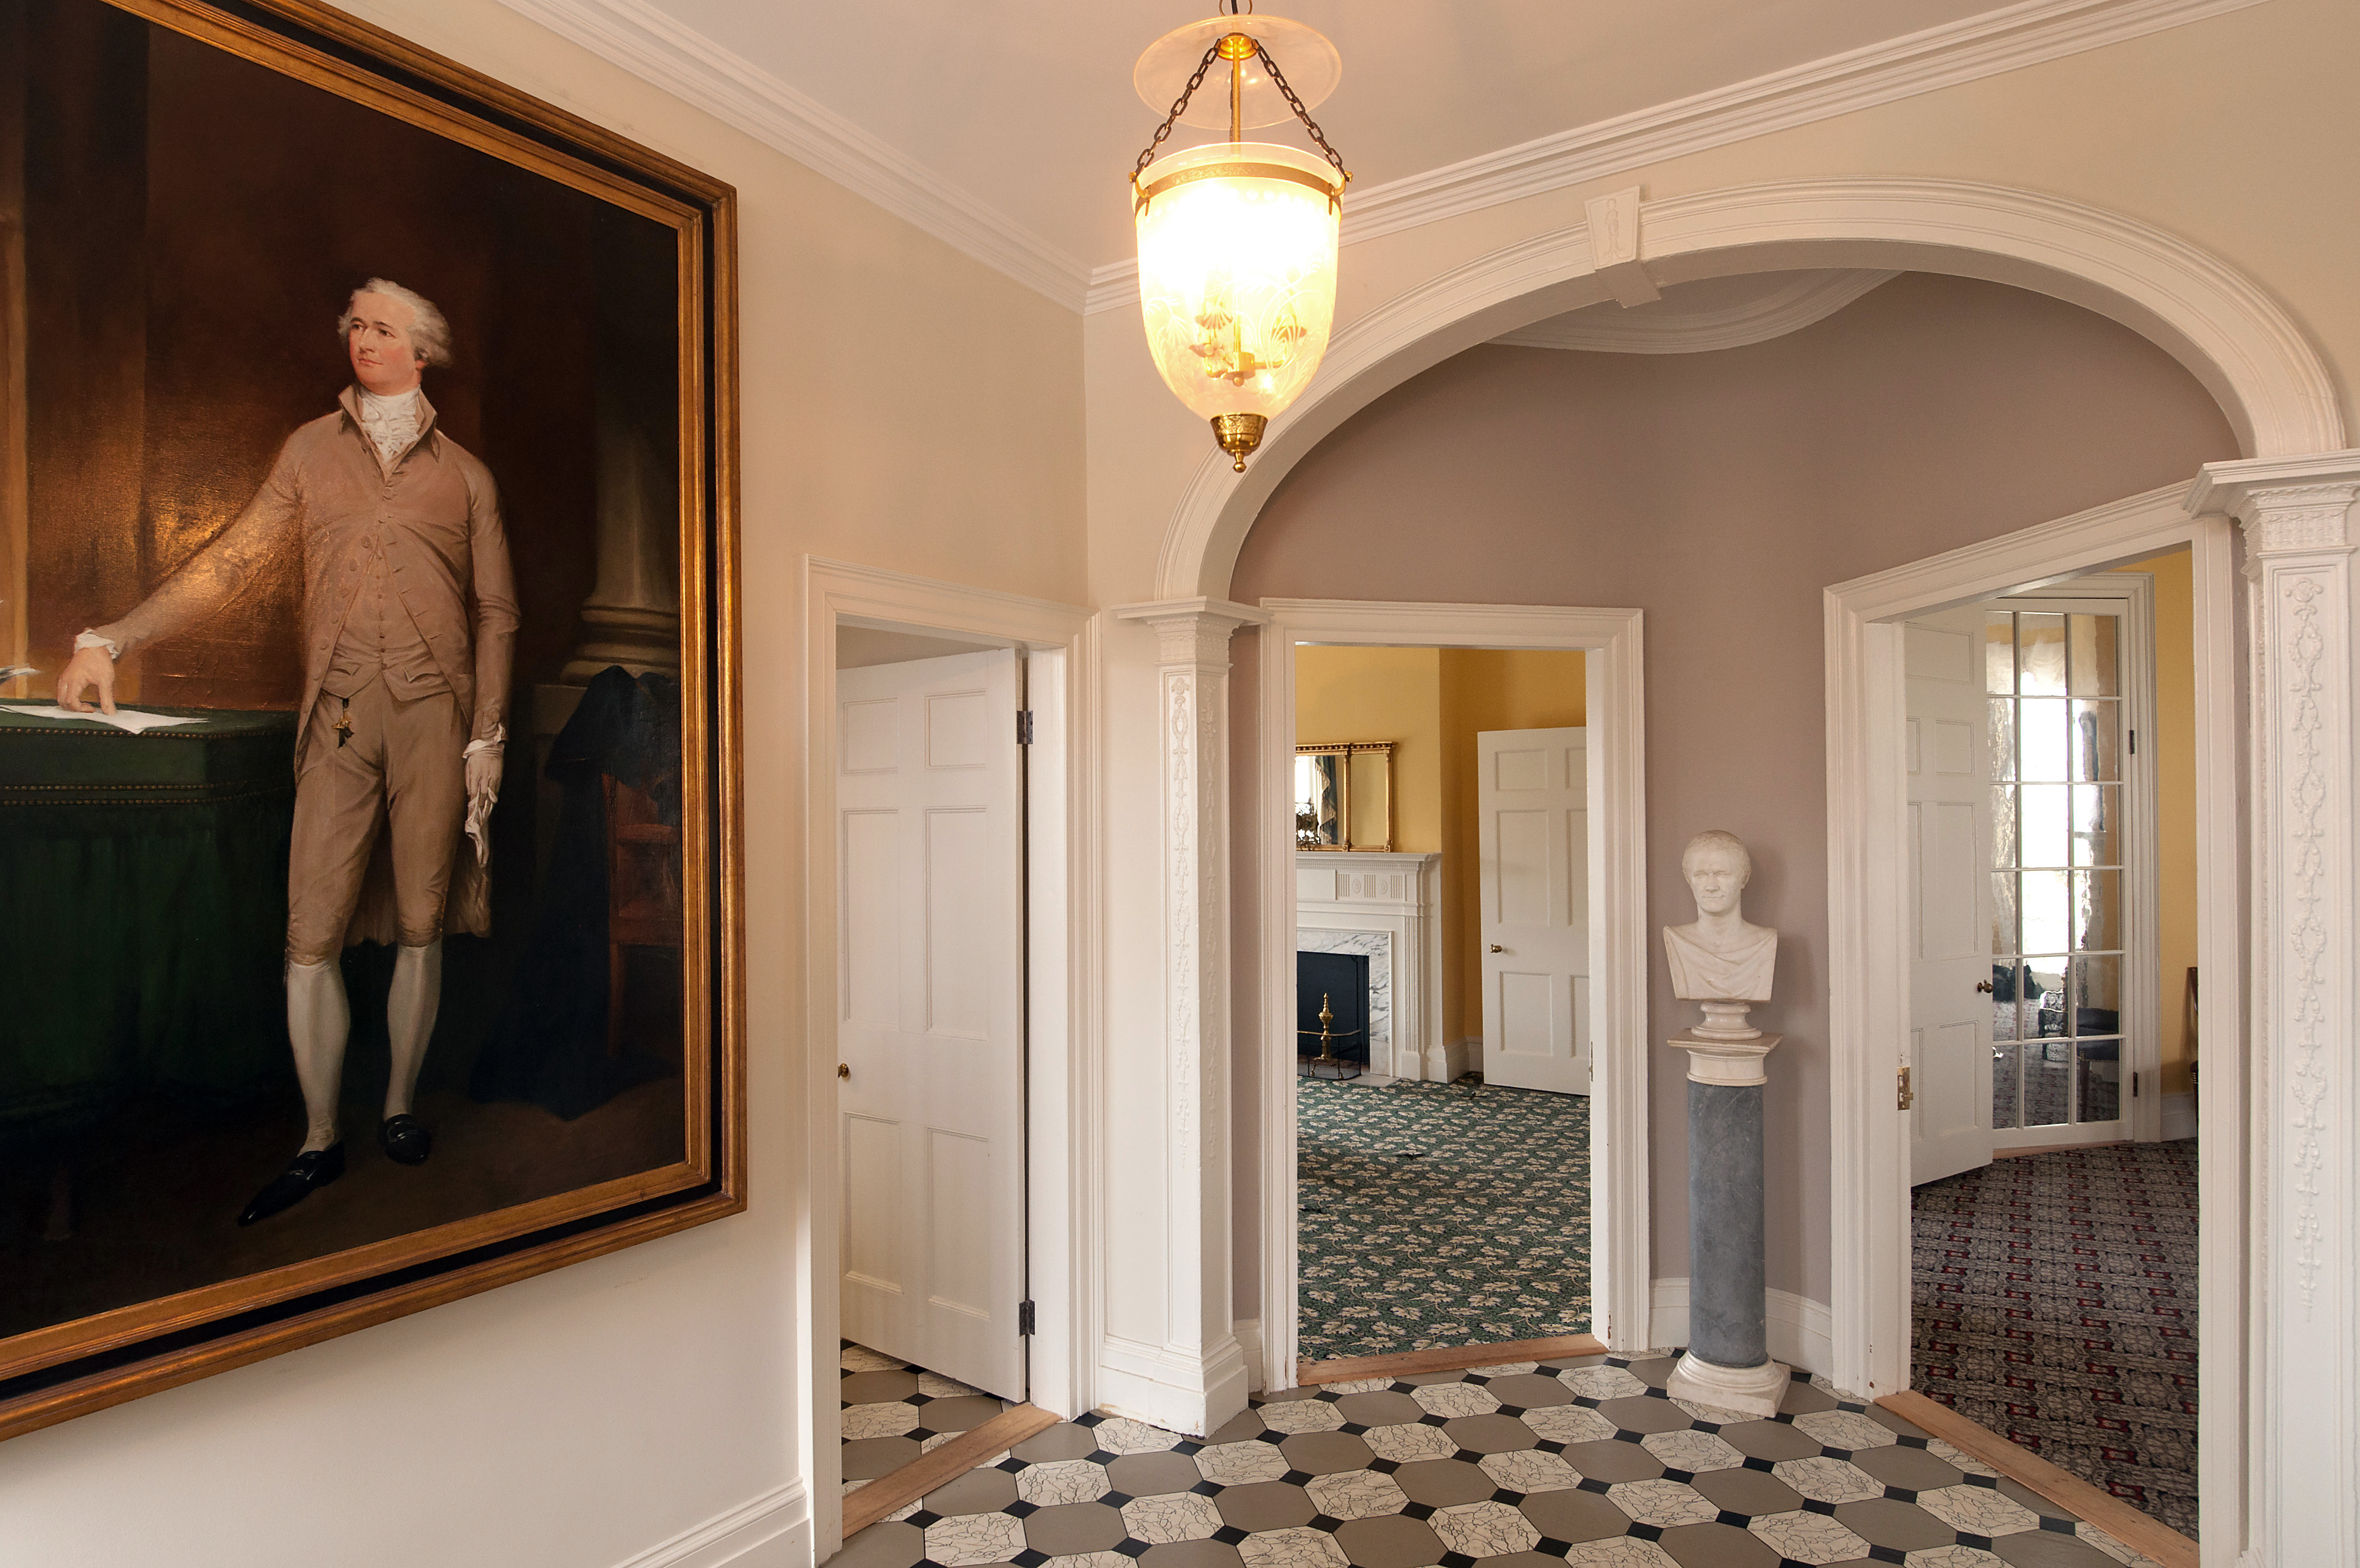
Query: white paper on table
{"points": [[129, 720]]}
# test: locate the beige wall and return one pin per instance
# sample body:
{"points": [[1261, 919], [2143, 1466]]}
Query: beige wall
{"points": [[579, 1419], [1380, 694], [1720, 492], [2175, 802]]}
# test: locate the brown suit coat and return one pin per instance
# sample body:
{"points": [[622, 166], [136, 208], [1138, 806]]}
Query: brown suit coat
{"points": [[437, 513]]}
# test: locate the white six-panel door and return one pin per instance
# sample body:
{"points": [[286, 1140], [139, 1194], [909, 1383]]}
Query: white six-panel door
{"points": [[1533, 797], [930, 1097], [1950, 877]]}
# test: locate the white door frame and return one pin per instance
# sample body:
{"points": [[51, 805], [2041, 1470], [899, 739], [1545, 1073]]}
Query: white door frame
{"points": [[1615, 694], [1868, 941], [1062, 1143]]}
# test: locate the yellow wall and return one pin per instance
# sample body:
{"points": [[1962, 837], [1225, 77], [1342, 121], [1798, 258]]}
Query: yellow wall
{"points": [[2175, 799], [1431, 703]]}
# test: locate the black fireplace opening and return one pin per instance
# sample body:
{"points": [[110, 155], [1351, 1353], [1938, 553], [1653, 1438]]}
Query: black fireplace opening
{"points": [[1341, 979]]}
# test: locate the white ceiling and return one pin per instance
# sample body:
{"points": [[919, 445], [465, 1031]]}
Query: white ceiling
{"points": [[1028, 109]]}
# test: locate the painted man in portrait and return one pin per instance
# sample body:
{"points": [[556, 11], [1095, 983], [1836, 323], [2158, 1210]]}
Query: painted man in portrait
{"points": [[409, 623]]}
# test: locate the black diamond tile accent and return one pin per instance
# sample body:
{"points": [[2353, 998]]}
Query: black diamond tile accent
{"points": [[1989, 1483], [1031, 1557], [1587, 1402], [1907, 1442], [1591, 1484], [1647, 1532], [1547, 1446], [1012, 1464], [920, 1432], [1229, 1535], [1355, 1428], [1457, 1560], [2056, 1525], [1418, 1510], [1207, 1488], [1384, 1466], [1707, 1426], [1114, 1499], [1187, 1448], [1325, 1525], [1980, 1542], [1682, 1477], [1548, 1548], [1753, 1464], [1848, 1405], [1901, 1494], [1728, 1517], [1296, 1477], [1813, 1506], [1431, 1420], [1887, 1554], [1101, 1456], [1131, 1546], [1837, 1453], [921, 1519], [1622, 1436], [1272, 1438], [1020, 1508], [1510, 1498]]}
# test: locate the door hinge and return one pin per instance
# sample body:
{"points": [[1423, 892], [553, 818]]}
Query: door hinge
{"points": [[2133, 1085], [1023, 1318], [2134, 734], [1902, 1097], [1024, 726]]}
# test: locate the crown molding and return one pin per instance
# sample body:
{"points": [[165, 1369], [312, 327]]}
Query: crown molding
{"points": [[661, 50], [1813, 297], [2029, 33]]}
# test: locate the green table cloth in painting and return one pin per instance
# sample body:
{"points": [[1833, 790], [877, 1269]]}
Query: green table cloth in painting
{"points": [[145, 878]]}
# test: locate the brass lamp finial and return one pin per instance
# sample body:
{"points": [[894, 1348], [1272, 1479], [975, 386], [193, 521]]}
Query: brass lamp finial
{"points": [[1239, 434]]}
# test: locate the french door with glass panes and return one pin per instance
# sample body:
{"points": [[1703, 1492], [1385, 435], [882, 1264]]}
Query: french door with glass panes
{"points": [[2072, 985]]}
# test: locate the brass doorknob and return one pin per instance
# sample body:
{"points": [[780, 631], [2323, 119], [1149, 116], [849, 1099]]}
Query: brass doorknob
{"points": [[1497, 948], [1985, 987], [844, 1069]]}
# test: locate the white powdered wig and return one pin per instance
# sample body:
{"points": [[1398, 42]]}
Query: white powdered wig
{"points": [[430, 335]]}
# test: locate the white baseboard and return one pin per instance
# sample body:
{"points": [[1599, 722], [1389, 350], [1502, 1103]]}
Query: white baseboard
{"points": [[1799, 1330], [2178, 1116], [1169, 1388], [1445, 1063], [774, 1530], [1249, 1336]]}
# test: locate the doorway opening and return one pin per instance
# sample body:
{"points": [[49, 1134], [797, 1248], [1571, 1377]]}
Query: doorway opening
{"points": [[2051, 781], [1445, 999]]}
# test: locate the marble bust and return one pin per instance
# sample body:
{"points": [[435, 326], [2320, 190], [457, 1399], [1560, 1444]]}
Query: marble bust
{"points": [[1720, 958]]}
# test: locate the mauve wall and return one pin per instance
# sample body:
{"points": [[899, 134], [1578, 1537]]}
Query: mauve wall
{"points": [[1721, 492]]}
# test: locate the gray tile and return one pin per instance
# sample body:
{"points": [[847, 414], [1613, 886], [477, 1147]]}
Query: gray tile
{"points": [[1522, 1560], [1905, 1527], [1152, 1475], [1069, 1527], [1768, 1440], [1383, 1408], [1613, 1461], [1750, 1492], [1655, 1373], [892, 1543], [1912, 1469], [1063, 1441], [1884, 1417], [877, 1388], [1241, 1427], [1489, 1434], [873, 1457], [1265, 1505], [2046, 1549], [2034, 1500], [961, 1414], [1715, 1546], [1439, 1482], [1802, 1400], [1528, 1389], [1325, 1453], [1390, 1542], [1639, 1413], [987, 1490], [1574, 1516], [1191, 1554]]}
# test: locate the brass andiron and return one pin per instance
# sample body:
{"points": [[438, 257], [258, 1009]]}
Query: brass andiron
{"points": [[1327, 1036]]}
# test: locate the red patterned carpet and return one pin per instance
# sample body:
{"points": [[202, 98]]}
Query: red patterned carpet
{"points": [[2056, 1304]]}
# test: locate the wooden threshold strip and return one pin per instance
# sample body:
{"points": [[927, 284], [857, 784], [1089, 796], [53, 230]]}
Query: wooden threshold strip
{"points": [[891, 1494], [2113, 1516], [1352, 1368]]}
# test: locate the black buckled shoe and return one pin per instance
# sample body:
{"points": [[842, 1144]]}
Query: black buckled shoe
{"points": [[405, 1139], [312, 1168]]}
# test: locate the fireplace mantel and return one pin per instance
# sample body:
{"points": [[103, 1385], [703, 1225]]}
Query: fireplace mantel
{"points": [[1348, 893]]}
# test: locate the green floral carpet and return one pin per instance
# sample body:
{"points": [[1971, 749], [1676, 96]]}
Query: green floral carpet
{"points": [[1440, 1214]]}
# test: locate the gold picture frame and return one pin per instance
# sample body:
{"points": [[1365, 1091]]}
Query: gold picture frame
{"points": [[320, 67], [1344, 797]]}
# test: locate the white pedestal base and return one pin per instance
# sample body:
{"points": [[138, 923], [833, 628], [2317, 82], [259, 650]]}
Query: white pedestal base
{"points": [[1753, 1391]]}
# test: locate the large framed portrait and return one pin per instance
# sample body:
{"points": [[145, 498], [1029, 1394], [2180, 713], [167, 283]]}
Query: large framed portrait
{"points": [[369, 811]]}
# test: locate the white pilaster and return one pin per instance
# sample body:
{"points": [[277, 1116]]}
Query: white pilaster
{"points": [[1201, 1353], [2304, 1393]]}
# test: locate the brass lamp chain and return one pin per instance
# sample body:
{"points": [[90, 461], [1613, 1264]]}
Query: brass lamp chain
{"points": [[1179, 106], [1278, 80]]}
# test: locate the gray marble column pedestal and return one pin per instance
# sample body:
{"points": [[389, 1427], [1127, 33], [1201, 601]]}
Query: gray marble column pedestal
{"points": [[1728, 1363]]}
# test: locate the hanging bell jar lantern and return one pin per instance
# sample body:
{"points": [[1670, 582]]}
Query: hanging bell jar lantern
{"points": [[1237, 239]]}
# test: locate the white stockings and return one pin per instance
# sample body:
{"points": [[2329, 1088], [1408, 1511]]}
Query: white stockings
{"points": [[410, 1009], [319, 1020]]}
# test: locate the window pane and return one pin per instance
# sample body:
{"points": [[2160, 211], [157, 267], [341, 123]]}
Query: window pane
{"points": [[2091, 659], [2098, 995], [2098, 1093], [2097, 741], [2004, 1078], [2045, 827], [2007, 983], [2097, 816], [2048, 1083], [1999, 653], [2002, 827], [2097, 912], [2048, 911], [2043, 740], [2004, 915], [2003, 737], [2044, 1001], [2040, 654]]}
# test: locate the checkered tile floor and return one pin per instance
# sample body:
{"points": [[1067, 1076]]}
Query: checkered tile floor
{"points": [[1584, 1462], [894, 1411]]}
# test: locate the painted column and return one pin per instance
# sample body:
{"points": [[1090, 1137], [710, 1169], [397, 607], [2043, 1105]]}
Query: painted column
{"points": [[1201, 1352], [2302, 1088], [1728, 1362]]}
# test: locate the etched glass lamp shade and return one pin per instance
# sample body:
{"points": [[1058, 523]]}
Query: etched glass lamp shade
{"points": [[1237, 279], [1237, 239]]}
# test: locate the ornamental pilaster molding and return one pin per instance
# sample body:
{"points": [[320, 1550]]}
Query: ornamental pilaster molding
{"points": [[2298, 516], [1193, 704]]}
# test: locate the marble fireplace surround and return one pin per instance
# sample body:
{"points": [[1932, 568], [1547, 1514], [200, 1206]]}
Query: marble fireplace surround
{"points": [[1384, 905]]}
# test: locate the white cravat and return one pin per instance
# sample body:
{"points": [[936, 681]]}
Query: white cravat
{"points": [[389, 422]]}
